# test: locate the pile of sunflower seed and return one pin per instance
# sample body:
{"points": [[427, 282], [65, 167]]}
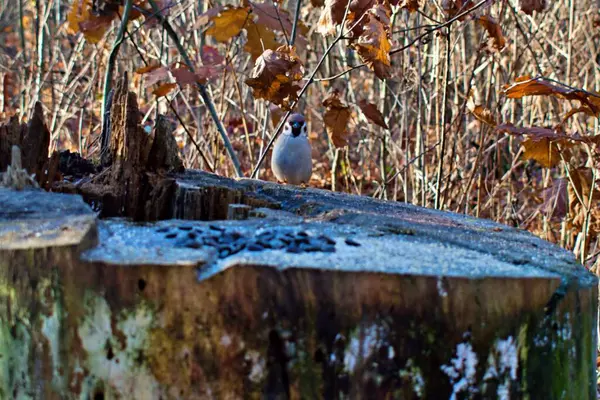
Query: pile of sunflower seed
{"points": [[229, 242]]}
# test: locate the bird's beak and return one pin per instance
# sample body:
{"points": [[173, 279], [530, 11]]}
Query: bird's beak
{"points": [[296, 128]]}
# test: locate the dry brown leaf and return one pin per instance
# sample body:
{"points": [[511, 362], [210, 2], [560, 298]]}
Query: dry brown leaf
{"points": [[229, 23], [276, 75], [260, 38], [526, 86], [147, 68], [334, 10], [336, 118], [454, 7], [156, 75], [164, 89], [373, 45], [81, 19], [410, 5], [372, 113], [481, 113], [494, 30], [543, 150], [206, 72], [204, 18], [211, 56], [529, 6], [184, 76]]}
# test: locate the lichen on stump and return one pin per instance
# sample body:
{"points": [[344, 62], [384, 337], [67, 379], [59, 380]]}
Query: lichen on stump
{"points": [[333, 296]]}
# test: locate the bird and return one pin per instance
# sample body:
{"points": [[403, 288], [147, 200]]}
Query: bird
{"points": [[291, 160]]}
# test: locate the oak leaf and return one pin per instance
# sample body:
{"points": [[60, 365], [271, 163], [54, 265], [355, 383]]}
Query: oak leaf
{"points": [[229, 23], [333, 14], [336, 118], [372, 113], [276, 75]]}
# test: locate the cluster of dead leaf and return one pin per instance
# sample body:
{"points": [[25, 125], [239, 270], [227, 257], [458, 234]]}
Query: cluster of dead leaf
{"points": [[576, 199]]}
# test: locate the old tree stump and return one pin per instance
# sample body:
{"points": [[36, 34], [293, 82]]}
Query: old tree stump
{"points": [[300, 294]]}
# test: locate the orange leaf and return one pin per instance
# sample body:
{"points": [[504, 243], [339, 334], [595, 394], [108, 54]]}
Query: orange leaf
{"points": [[526, 86], [276, 75], [229, 23], [81, 19], [544, 151], [410, 5], [493, 29], [336, 119], [147, 68], [164, 89], [481, 113], [372, 113]]}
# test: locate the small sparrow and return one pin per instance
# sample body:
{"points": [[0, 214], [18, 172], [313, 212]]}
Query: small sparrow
{"points": [[291, 161]]}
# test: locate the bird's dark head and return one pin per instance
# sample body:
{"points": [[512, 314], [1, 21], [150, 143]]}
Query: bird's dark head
{"points": [[296, 124]]}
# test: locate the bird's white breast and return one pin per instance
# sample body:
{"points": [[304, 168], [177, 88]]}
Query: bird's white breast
{"points": [[292, 160]]}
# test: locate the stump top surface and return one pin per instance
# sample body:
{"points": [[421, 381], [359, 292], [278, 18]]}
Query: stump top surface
{"points": [[35, 218]]}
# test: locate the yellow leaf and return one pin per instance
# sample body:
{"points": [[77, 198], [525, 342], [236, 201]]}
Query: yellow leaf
{"points": [[81, 19], [229, 23], [544, 151]]}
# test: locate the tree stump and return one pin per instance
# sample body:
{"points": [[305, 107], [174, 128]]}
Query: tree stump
{"points": [[301, 294], [320, 295]]}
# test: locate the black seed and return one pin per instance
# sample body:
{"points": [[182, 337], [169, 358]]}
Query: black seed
{"points": [[266, 245], [185, 228], [224, 253], [216, 228], [351, 242], [171, 235], [302, 240], [236, 235], [328, 249], [293, 249], [302, 233], [192, 244], [192, 235], [277, 244], [326, 239], [255, 247]]}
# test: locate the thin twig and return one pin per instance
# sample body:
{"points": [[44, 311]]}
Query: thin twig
{"points": [[203, 92], [311, 79], [295, 26]]}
